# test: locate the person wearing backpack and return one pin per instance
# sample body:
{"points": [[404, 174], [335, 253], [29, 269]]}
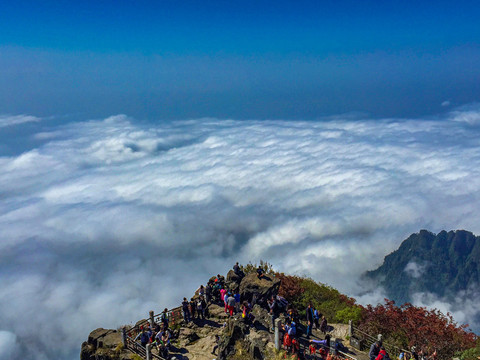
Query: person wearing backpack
{"points": [[374, 350], [144, 337], [382, 355]]}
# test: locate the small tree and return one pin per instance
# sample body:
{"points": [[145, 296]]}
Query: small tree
{"points": [[265, 265]]}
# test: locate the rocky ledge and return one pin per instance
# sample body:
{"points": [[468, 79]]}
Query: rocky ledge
{"points": [[238, 339]]}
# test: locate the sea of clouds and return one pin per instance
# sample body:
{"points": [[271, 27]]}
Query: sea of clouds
{"points": [[104, 220]]}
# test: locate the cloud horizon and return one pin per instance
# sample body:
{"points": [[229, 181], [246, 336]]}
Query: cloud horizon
{"points": [[104, 220]]}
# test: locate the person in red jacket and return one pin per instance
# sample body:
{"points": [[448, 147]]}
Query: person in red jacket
{"points": [[382, 354]]}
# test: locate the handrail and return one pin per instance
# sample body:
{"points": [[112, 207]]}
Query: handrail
{"points": [[135, 346], [347, 355], [375, 339]]}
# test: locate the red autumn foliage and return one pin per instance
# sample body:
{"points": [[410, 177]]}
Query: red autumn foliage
{"points": [[401, 326], [409, 325], [290, 287], [348, 300]]}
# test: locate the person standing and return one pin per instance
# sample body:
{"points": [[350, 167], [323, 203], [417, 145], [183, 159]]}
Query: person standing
{"points": [[193, 308], [186, 311], [201, 306], [316, 318], [237, 301], [222, 297], [323, 325], [208, 292], [230, 304], [273, 309], [374, 350], [201, 291], [164, 318], [309, 320]]}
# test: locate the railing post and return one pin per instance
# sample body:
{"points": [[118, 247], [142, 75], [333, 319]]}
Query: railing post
{"points": [[148, 349], [124, 337], [277, 334], [350, 328], [152, 320]]}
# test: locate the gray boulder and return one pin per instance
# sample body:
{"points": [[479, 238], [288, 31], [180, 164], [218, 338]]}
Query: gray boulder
{"points": [[259, 290], [104, 344]]}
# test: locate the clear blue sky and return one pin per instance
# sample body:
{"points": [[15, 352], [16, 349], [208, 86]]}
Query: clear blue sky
{"points": [[249, 59]]}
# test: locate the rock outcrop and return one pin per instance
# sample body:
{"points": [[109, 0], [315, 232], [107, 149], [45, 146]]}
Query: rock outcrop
{"points": [[257, 290], [104, 344], [243, 341], [233, 280]]}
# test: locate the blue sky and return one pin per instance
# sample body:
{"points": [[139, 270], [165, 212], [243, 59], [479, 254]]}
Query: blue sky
{"points": [[251, 59]]}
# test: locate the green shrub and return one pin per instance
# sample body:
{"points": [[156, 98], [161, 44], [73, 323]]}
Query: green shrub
{"points": [[353, 313], [330, 302], [470, 354]]}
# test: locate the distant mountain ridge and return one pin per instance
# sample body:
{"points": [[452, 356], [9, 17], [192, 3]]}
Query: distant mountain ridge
{"points": [[442, 264]]}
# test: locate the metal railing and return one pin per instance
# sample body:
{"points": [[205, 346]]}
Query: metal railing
{"points": [[174, 317], [331, 349], [391, 348]]}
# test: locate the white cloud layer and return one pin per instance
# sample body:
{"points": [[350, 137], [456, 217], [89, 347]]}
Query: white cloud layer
{"points": [[109, 219], [11, 120], [468, 114], [415, 269], [465, 309]]}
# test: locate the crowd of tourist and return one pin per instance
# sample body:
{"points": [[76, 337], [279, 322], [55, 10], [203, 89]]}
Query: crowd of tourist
{"points": [[216, 292]]}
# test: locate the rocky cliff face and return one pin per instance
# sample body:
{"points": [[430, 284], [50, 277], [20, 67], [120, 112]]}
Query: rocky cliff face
{"points": [[442, 264]]}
